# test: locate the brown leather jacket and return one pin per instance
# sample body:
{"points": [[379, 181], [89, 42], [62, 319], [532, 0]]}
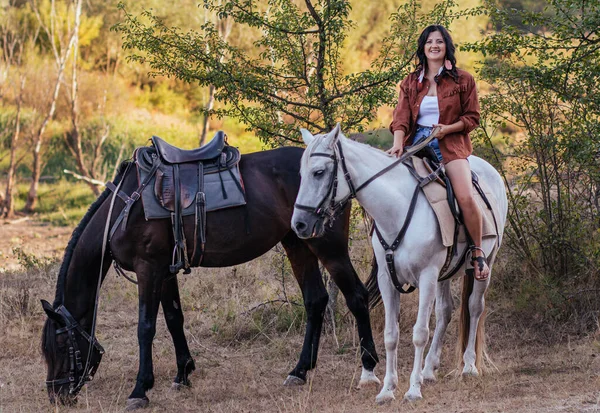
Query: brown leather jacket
{"points": [[456, 100]]}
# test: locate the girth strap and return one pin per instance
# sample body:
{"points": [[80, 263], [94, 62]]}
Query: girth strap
{"points": [[390, 249]]}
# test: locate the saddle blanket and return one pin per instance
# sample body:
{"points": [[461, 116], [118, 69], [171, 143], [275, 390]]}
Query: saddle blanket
{"points": [[436, 194], [222, 187]]}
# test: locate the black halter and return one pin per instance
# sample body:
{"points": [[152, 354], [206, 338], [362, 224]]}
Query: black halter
{"points": [[78, 375], [333, 209]]}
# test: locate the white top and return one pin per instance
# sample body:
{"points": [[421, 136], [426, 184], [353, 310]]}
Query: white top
{"points": [[429, 111]]}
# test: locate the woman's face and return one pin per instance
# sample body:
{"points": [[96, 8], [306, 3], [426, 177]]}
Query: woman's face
{"points": [[435, 47]]}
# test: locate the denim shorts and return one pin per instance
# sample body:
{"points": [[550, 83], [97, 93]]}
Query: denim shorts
{"points": [[422, 133]]}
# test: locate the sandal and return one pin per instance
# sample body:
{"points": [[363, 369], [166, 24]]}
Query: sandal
{"points": [[481, 263]]}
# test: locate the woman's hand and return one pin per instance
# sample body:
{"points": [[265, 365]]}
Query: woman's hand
{"points": [[448, 129], [395, 150], [398, 146], [442, 130]]}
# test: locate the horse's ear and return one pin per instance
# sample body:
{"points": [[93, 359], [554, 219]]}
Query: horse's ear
{"points": [[53, 315], [307, 137], [335, 134]]}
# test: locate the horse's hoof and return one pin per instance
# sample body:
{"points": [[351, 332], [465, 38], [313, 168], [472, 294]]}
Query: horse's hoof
{"points": [[412, 396], [368, 377], [470, 372], [429, 378], [180, 386], [134, 404], [385, 397], [294, 381]]}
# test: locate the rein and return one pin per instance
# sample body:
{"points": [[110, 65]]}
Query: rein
{"points": [[71, 326]]}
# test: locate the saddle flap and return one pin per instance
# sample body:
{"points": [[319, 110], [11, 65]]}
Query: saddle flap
{"points": [[438, 199], [164, 185]]}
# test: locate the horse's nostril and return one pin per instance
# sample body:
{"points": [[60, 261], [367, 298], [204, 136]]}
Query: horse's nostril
{"points": [[300, 226]]}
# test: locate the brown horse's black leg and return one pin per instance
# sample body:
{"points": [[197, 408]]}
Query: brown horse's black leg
{"points": [[171, 305], [333, 253], [306, 270], [150, 279]]}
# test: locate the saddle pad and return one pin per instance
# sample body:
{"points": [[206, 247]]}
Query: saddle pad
{"points": [[145, 158], [438, 199]]}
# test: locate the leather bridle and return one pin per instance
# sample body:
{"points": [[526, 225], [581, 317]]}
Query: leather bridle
{"points": [[334, 208], [331, 211], [78, 375]]}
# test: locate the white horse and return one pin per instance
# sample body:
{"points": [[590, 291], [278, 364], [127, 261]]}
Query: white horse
{"points": [[335, 169]]}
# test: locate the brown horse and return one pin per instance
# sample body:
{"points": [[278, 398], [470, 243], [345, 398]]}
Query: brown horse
{"points": [[233, 236]]}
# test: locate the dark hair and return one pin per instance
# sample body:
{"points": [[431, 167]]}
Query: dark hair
{"points": [[450, 49]]}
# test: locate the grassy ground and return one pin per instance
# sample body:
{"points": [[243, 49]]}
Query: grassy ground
{"points": [[244, 350]]}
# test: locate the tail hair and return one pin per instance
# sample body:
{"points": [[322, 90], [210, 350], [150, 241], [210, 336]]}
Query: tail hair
{"points": [[483, 362]]}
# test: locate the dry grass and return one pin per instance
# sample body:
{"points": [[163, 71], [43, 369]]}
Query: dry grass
{"points": [[244, 352]]}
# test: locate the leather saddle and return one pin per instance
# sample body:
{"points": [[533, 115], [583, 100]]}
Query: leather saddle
{"points": [[179, 182], [438, 190], [212, 158]]}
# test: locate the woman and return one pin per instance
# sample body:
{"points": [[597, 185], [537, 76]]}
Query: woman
{"points": [[437, 94]]}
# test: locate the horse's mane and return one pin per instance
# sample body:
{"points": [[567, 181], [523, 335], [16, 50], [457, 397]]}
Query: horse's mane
{"points": [[62, 274]]}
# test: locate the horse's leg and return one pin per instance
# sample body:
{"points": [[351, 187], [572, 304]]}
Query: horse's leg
{"points": [[427, 287], [476, 303], [391, 303], [306, 270], [443, 314], [335, 258], [171, 305], [150, 279]]}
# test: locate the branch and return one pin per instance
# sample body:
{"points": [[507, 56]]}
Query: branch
{"points": [[84, 178]]}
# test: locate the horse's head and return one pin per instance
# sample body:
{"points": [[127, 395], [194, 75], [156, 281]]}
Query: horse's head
{"points": [[323, 189], [66, 347]]}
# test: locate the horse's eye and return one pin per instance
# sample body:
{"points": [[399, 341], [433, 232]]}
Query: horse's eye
{"points": [[318, 173]]}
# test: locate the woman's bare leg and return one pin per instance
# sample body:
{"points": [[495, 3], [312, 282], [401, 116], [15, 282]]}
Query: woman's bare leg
{"points": [[459, 172]]}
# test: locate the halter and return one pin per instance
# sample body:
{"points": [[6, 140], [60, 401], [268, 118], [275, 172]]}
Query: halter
{"points": [[334, 209], [78, 375]]}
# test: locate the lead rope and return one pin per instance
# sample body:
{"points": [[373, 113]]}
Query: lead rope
{"points": [[104, 242]]}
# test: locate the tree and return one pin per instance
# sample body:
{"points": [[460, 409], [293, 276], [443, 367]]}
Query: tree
{"points": [[294, 75], [16, 35], [61, 45], [544, 74]]}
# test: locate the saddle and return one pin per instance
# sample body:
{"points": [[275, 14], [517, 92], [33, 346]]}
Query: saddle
{"points": [[175, 183], [438, 191]]}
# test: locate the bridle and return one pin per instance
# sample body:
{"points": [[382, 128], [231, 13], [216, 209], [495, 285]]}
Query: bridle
{"points": [[78, 375], [334, 208], [331, 211]]}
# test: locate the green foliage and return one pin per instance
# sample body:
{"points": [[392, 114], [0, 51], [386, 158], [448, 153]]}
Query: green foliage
{"points": [[295, 76], [543, 73]]}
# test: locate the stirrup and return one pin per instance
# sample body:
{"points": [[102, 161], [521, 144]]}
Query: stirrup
{"points": [[477, 260]]}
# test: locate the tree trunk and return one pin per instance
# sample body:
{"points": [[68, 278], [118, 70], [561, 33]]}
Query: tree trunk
{"points": [[61, 60], [9, 205], [75, 140], [208, 108]]}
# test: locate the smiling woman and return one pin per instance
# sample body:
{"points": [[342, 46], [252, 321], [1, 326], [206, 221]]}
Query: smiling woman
{"points": [[439, 95]]}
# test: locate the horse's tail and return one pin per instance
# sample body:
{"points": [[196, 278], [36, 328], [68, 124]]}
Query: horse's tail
{"points": [[373, 286], [464, 326]]}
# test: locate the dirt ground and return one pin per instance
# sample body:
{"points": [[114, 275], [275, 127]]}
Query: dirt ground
{"points": [[32, 237], [242, 356]]}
